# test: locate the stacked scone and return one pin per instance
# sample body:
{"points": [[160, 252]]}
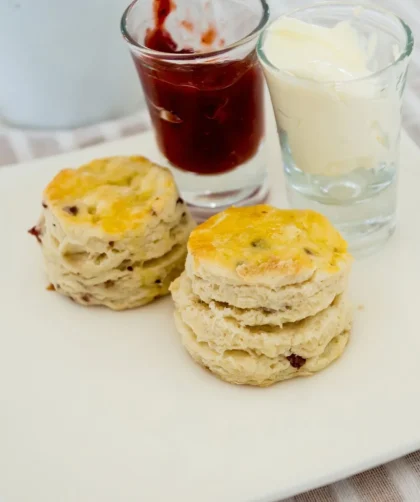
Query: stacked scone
{"points": [[263, 297], [113, 232]]}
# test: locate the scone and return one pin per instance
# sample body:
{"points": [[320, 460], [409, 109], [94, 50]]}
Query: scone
{"points": [[261, 257], [263, 298], [113, 232]]}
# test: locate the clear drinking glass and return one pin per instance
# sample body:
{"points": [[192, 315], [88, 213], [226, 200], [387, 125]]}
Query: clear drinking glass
{"points": [[205, 96], [340, 139]]}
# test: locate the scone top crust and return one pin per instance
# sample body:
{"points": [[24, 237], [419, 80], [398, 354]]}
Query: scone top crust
{"points": [[266, 245], [112, 195]]}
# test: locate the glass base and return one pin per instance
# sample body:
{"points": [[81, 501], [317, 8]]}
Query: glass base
{"points": [[243, 198], [209, 194], [361, 203], [366, 224]]}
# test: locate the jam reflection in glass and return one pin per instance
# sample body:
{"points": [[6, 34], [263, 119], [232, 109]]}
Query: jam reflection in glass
{"points": [[208, 117]]}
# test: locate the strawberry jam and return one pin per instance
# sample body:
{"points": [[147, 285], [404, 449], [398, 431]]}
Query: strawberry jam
{"points": [[208, 115]]}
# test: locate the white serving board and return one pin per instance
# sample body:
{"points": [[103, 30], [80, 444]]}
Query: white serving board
{"points": [[97, 406]]}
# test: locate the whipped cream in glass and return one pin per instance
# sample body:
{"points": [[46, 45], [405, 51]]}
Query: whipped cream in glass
{"points": [[336, 74], [336, 119]]}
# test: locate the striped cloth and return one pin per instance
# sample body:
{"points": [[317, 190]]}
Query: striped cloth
{"points": [[20, 146], [397, 481]]}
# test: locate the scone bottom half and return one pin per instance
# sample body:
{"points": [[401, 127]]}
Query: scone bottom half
{"points": [[113, 232], [256, 280]]}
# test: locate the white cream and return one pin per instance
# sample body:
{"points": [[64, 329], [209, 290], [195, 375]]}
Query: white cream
{"points": [[334, 122]]}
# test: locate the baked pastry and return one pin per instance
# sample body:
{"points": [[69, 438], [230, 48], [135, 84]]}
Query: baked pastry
{"points": [[114, 232], [263, 297], [263, 257]]}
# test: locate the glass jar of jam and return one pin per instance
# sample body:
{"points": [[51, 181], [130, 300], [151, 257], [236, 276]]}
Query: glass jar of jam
{"points": [[205, 92]]}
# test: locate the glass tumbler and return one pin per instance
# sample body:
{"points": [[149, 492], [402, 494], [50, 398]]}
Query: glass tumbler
{"points": [[205, 95], [340, 136]]}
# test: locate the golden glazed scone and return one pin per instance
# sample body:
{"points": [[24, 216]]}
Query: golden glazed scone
{"points": [[116, 199], [266, 245], [263, 297], [263, 257], [106, 225]]}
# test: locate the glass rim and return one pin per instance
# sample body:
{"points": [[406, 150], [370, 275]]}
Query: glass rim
{"points": [[405, 52], [194, 55]]}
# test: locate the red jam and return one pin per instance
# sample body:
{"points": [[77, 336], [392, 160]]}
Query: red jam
{"points": [[158, 38], [208, 117]]}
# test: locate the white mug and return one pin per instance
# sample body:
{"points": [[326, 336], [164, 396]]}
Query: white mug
{"points": [[63, 63]]}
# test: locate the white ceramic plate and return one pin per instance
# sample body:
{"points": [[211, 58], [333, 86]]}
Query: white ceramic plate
{"points": [[97, 406]]}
